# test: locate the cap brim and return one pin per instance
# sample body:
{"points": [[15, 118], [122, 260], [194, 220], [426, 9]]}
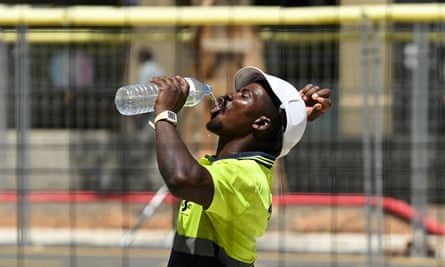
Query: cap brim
{"points": [[250, 74], [247, 75]]}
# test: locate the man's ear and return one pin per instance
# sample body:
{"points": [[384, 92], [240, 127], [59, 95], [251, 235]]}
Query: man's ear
{"points": [[261, 123]]}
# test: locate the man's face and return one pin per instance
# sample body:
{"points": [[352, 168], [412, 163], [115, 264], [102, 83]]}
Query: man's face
{"points": [[234, 115]]}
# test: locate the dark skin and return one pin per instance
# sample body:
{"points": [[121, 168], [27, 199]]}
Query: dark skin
{"points": [[237, 121], [316, 99]]}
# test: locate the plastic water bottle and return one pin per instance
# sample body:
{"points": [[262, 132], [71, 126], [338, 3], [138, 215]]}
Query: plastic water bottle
{"points": [[138, 98]]}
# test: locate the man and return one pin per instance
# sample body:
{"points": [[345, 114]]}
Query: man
{"points": [[227, 197], [148, 66]]}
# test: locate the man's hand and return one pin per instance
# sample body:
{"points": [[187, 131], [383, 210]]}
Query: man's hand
{"points": [[173, 92], [317, 100]]}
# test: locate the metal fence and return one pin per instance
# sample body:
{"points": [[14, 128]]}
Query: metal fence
{"points": [[384, 136]]}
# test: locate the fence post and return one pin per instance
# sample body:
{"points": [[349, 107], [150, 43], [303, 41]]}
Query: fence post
{"points": [[366, 146], [419, 138], [378, 158], [3, 110], [22, 130]]}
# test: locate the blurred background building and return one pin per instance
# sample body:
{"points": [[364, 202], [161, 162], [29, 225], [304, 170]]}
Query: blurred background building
{"points": [[72, 81], [385, 134]]}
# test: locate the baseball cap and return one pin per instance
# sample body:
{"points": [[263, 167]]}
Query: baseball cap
{"points": [[290, 101]]}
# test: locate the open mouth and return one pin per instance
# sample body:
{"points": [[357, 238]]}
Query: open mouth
{"points": [[220, 107]]}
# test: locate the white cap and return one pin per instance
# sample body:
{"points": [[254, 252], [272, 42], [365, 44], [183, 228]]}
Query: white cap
{"points": [[290, 99]]}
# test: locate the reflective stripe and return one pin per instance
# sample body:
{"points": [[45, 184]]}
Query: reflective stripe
{"points": [[260, 157], [261, 160], [204, 247], [194, 246]]}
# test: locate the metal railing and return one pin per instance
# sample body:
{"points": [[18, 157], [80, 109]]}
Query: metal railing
{"points": [[217, 15]]}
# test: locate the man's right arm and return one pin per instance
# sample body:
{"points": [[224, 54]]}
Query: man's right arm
{"points": [[182, 173]]}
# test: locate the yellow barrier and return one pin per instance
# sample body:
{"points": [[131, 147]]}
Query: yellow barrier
{"points": [[88, 36], [11, 15], [57, 36]]}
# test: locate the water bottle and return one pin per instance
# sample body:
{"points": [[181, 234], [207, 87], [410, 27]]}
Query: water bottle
{"points": [[138, 98]]}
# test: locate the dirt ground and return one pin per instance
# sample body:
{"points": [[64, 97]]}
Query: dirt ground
{"points": [[119, 215], [114, 214]]}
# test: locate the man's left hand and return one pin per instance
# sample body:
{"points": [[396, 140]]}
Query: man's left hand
{"points": [[316, 99]]}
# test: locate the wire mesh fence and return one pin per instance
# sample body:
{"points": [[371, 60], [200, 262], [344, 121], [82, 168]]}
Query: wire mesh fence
{"points": [[376, 157]]}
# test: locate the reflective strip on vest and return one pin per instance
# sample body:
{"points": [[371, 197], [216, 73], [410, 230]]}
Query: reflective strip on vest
{"points": [[204, 247]]}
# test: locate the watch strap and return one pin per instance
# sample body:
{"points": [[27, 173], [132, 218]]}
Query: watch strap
{"points": [[166, 115]]}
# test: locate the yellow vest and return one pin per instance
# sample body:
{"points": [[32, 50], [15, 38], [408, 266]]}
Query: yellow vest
{"points": [[239, 212]]}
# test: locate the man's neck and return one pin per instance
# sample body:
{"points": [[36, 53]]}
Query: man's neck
{"points": [[234, 147]]}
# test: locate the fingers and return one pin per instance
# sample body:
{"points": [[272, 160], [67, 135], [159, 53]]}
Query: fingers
{"points": [[177, 80], [325, 92], [173, 91], [306, 88], [171, 84], [312, 94], [314, 112], [307, 91], [317, 107], [317, 100], [182, 82], [324, 103], [310, 89]]}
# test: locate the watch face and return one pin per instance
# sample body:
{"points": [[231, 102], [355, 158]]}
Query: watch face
{"points": [[171, 115]]}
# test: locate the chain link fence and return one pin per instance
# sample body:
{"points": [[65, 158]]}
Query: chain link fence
{"points": [[383, 137]]}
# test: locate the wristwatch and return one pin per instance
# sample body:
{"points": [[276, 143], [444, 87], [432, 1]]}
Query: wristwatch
{"points": [[167, 115]]}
